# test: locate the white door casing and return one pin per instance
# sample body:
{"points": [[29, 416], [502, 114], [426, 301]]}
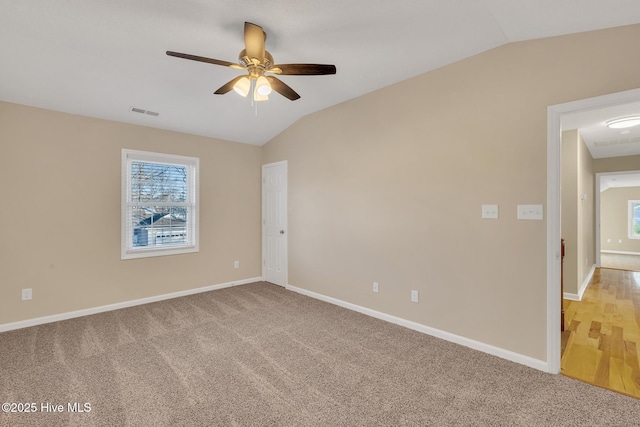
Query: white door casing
{"points": [[554, 184], [274, 223]]}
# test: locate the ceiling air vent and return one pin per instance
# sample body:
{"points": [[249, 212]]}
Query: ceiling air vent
{"points": [[617, 141], [147, 112]]}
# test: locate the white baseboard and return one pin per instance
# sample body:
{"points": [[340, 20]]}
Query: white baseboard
{"points": [[620, 252], [457, 339], [583, 287], [88, 311]]}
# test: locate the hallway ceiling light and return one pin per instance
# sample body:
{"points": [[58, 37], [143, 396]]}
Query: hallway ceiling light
{"points": [[625, 122]]}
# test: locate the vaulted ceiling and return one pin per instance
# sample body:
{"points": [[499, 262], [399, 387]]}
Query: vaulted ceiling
{"points": [[101, 58]]}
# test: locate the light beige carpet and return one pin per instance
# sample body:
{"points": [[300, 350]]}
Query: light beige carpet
{"points": [[620, 261], [259, 355]]}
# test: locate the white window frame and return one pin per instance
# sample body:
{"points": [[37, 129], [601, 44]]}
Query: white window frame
{"points": [[632, 234], [128, 251]]}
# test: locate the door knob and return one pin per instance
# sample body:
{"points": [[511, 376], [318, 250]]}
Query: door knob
{"points": [[281, 231]]}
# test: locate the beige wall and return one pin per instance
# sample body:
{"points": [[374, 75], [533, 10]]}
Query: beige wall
{"points": [[388, 187], [617, 164], [578, 211], [61, 213], [614, 219], [569, 209], [586, 213]]}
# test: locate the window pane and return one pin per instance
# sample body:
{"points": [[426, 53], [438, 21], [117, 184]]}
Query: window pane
{"points": [[155, 182], [159, 204], [636, 219], [159, 226]]}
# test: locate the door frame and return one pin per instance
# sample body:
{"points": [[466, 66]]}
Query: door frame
{"points": [[286, 221], [554, 184]]}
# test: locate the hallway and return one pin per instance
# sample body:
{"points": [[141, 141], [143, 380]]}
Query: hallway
{"points": [[600, 343]]}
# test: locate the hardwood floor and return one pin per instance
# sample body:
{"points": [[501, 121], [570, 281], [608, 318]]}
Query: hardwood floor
{"points": [[601, 341]]}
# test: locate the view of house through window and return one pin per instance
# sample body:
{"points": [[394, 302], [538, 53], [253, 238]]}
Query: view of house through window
{"points": [[634, 219], [159, 204]]}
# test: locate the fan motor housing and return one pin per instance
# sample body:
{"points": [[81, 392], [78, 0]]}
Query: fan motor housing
{"points": [[265, 63]]}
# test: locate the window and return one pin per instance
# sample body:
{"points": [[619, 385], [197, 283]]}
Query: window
{"points": [[634, 219], [159, 204]]}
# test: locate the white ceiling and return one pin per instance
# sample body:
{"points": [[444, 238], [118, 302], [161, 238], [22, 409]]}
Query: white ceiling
{"points": [[99, 58], [604, 142], [601, 140], [627, 179]]}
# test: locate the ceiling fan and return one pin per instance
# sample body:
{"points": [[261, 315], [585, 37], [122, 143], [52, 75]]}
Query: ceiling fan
{"points": [[257, 62]]}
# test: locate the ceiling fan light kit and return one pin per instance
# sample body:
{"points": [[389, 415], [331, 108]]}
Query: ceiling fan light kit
{"points": [[258, 97], [257, 61], [262, 86], [242, 86]]}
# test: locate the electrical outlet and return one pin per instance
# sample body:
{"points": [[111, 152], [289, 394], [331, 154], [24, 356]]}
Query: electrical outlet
{"points": [[414, 296], [27, 294], [375, 286], [236, 264]]}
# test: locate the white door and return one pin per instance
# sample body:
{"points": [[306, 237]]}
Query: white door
{"points": [[274, 223]]}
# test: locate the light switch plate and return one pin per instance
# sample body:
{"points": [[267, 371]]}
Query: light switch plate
{"points": [[490, 211], [530, 212]]}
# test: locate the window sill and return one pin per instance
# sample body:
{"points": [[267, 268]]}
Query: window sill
{"points": [[149, 253]]}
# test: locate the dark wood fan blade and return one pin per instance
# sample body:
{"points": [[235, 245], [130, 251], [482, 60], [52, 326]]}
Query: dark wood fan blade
{"points": [[303, 69], [227, 87], [254, 38], [282, 88], [207, 60]]}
